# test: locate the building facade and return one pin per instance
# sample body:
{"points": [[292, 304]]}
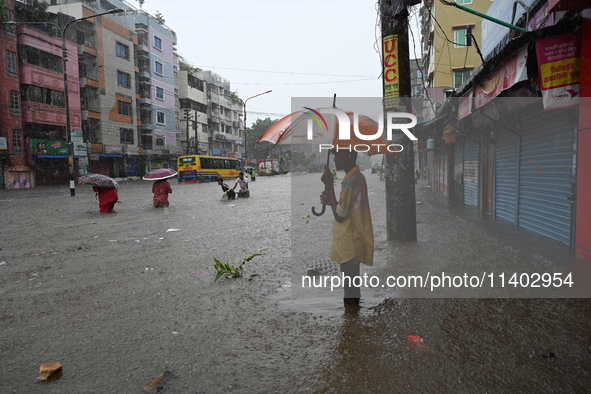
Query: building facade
{"points": [[14, 172], [514, 141]]}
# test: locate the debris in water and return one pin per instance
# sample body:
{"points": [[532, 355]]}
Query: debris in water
{"points": [[306, 217], [416, 342], [48, 370], [157, 384], [2, 262], [548, 354], [170, 230]]}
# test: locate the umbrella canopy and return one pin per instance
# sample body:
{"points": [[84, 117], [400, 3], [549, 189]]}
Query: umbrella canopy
{"points": [[159, 173], [98, 180], [324, 125]]}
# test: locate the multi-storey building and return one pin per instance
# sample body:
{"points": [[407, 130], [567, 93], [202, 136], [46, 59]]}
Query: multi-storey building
{"points": [[107, 91], [450, 41], [226, 130], [13, 171], [194, 119]]}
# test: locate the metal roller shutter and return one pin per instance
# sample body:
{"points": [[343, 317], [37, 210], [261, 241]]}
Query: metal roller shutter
{"points": [[459, 168], [470, 172], [546, 174], [506, 171]]}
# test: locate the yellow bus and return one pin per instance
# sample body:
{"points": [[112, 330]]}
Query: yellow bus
{"points": [[193, 168]]}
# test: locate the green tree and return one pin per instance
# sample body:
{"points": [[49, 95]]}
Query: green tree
{"points": [[159, 18], [3, 13], [261, 150], [32, 11]]}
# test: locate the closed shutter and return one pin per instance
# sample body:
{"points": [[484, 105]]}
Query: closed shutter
{"points": [[470, 172], [459, 169], [442, 178], [506, 167], [546, 174]]}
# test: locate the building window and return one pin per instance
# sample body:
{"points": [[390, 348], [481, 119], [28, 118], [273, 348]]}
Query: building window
{"points": [[123, 79], [122, 51], [159, 93], [11, 63], [460, 77], [160, 141], [419, 74], [462, 36], [158, 68], [9, 18], [14, 106], [124, 108], [157, 42], [38, 94], [39, 58], [17, 142], [160, 117], [126, 136]]}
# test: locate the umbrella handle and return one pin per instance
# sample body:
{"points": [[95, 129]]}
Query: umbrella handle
{"points": [[319, 213], [327, 163]]}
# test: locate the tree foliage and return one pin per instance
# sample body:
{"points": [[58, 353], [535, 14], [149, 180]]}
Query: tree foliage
{"points": [[264, 149], [3, 13], [159, 18], [33, 11]]}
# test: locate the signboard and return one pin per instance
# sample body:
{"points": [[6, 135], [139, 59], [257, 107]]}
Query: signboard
{"points": [[49, 147], [559, 62], [510, 72], [3, 143], [93, 156], [216, 152], [80, 148], [391, 72], [132, 149], [113, 149], [83, 165], [465, 105]]}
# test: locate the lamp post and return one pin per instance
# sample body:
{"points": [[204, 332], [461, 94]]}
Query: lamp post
{"points": [[245, 139], [65, 72]]}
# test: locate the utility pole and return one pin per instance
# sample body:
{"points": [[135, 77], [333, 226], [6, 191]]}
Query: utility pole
{"points": [[401, 216], [187, 121]]}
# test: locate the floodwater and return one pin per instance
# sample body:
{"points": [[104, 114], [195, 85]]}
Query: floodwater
{"points": [[118, 299]]}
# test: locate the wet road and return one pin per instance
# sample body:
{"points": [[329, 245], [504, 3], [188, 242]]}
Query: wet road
{"points": [[118, 299]]}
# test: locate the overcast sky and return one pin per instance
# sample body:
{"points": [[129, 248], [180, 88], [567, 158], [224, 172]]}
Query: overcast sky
{"points": [[302, 49]]}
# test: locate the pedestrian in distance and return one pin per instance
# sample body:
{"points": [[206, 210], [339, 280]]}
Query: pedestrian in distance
{"points": [[243, 182], [352, 231], [229, 193], [107, 198], [161, 190]]}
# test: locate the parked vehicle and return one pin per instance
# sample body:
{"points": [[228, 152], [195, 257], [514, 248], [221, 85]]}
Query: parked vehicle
{"points": [[195, 168]]}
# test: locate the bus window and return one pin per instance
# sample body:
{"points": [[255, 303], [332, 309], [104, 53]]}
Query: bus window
{"points": [[187, 159]]}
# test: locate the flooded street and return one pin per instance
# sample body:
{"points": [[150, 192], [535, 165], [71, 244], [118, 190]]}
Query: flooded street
{"points": [[120, 298]]}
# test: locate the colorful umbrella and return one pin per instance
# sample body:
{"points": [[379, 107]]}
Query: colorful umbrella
{"points": [[295, 129], [321, 126], [98, 180], [159, 173]]}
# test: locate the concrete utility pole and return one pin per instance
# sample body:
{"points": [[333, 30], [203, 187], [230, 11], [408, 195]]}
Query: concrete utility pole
{"points": [[400, 186]]}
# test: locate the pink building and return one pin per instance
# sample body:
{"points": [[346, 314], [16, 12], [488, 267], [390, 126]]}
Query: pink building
{"points": [[43, 111], [13, 171]]}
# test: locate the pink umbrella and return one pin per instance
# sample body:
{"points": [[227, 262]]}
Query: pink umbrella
{"points": [[159, 173]]}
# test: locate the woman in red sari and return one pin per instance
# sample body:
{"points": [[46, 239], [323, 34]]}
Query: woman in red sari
{"points": [[107, 198], [161, 189]]}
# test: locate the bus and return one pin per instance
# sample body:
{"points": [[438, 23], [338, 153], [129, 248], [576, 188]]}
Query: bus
{"points": [[194, 168]]}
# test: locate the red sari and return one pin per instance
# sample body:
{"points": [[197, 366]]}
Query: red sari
{"points": [[107, 198]]}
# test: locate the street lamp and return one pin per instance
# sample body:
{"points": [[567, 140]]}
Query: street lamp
{"points": [[66, 98], [246, 139]]}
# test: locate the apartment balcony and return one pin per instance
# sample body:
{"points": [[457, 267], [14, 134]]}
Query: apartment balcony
{"points": [[88, 114]]}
